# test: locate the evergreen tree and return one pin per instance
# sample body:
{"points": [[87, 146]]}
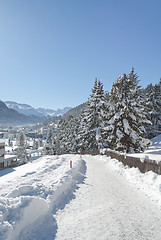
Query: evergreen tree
{"points": [[92, 121], [66, 137], [72, 134], [21, 150], [127, 115], [150, 104], [49, 146], [157, 107], [153, 102], [59, 139]]}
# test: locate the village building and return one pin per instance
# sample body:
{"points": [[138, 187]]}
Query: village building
{"points": [[6, 160]]}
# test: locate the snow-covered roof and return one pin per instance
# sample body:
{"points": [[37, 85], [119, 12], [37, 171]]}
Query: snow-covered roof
{"points": [[10, 157], [2, 142]]}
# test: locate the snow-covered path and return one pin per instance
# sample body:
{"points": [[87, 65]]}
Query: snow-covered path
{"points": [[107, 207]]}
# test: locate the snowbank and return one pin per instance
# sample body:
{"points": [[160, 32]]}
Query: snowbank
{"points": [[32, 193], [149, 183], [153, 152]]}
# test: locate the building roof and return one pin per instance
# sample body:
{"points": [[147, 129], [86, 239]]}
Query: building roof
{"points": [[10, 157], [2, 142]]}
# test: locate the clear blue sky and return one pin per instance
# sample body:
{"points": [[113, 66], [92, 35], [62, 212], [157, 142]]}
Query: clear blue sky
{"points": [[52, 50]]}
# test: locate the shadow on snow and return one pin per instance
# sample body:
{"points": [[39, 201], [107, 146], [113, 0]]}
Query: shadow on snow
{"points": [[45, 228]]}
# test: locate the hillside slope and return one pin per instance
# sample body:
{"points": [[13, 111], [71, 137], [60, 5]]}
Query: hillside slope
{"points": [[75, 112], [11, 117], [39, 112]]}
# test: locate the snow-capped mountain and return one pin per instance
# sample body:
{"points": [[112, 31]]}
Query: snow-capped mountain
{"points": [[10, 116], [24, 109], [52, 113], [40, 112]]}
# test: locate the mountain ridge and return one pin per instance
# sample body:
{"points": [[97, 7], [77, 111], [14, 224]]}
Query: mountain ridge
{"points": [[28, 110], [11, 117]]}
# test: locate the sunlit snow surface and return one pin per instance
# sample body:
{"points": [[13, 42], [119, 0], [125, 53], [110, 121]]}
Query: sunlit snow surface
{"points": [[153, 152], [98, 199], [30, 195], [114, 203]]}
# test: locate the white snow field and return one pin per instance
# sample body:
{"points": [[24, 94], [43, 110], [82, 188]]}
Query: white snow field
{"points": [[30, 195], [98, 199]]}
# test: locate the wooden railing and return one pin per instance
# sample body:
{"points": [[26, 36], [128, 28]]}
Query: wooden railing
{"points": [[144, 166]]}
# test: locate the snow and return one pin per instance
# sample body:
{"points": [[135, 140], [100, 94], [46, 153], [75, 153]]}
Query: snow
{"points": [[107, 206], [149, 182], [30, 192], [98, 198], [119, 134], [153, 152], [126, 126]]}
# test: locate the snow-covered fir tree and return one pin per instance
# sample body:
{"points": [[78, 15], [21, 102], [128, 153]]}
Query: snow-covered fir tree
{"points": [[49, 146], [72, 132], [59, 137], [153, 102], [128, 117], [65, 140], [117, 120], [92, 121], [21, 150], [152, 114], [157, 107]]}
